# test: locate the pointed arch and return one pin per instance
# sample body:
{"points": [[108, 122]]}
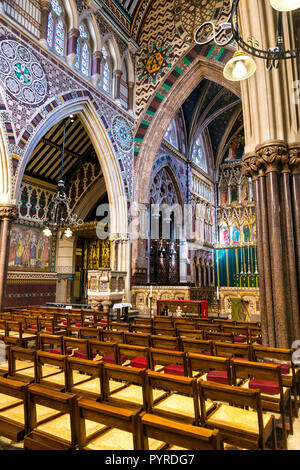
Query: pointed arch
{"points": [[105, 153]]}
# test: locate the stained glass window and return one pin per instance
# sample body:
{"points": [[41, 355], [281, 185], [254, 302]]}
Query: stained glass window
{"points": [[56, 28], [59, 38], [77, 63], [105, 71], [82, 32], [50, 30], [85, 58], [198, 155]]}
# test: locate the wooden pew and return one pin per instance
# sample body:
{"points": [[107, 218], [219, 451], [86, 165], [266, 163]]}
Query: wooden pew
{"points": [[138, 339], [280, 355], [52, 370], [139, 328], [198, 346], [113, 336], [103, 351], [15, 335], [244, 428], [143, 321], [211, 368], [181, 403], [22, 364], [134, 356], [164, 331], [124, 386], [85, 378], [228, 337], [13, 409], [76, 347], [87, 332], [238, 351], [169, 362], [165, 342], [58, 430], [240, 333], [116, 326], [181, 437], [47, 325], [253, 373], [183, 333], [50, 343], [118, 428], [4, 364]]}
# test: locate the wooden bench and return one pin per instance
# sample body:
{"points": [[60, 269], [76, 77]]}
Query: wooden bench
{"points": [[139, 328], [238, 351], [103, 351], [134, 356], [76, 347], [165, 342], [50, 343], [118, 427], [211, 368], [181, 437], [288, 371], [87, 332], [15, 335], [22, 364], [241, 427], [184, 333], [169, 362], [113, 336], [85, 377], [197, 346], [164, 331], [124, 386], [57, 428], [253, 373], [240, 333], [228, 337], [52, 370], [180, 403], [13, 409], [138, 339]]}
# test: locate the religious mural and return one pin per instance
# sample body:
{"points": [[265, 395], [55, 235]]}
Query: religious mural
{"points": [[29, 249]]}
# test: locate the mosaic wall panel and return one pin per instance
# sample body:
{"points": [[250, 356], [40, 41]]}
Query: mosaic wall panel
{"points": [[26, 292], [44, 85]]}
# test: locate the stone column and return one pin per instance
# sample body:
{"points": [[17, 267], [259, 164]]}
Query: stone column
{"points": [[117, 87], [131, 97], [45, 10], [72, 39], [96, 66], [8, 213], [277, 231]]}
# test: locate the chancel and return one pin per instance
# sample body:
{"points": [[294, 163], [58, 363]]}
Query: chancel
{"points": [[149, 226]]}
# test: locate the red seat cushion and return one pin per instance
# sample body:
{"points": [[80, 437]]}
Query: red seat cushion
{"points": [[139, 363], [49, 328], [103, 320], [81, 353], [285, 367], [33, 327], [174, 369], [58, 351], [110, 358], [265, 386], [218, 376], [259, 340], [239, 339]]}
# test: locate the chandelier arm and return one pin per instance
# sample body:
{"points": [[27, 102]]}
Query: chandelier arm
{"points": [[273, 54]]}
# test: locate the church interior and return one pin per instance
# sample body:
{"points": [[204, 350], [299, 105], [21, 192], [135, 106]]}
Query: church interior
{"points": [[149, 225]]}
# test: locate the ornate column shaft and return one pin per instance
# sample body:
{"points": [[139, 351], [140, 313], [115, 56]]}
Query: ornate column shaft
{"points": [[130, 96], [96, 66], [270, 169], [117, 77], [72, 39], [45, 10], [8, 213]]}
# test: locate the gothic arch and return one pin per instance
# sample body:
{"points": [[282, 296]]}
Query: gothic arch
{"points": [[155, 131], [105, 153]]}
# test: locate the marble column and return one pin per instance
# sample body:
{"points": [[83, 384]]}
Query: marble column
{"points": [[72, 39], [117, 81], [131, 97], [271, 170], [8, 213], [45, 10], [96, 66]]}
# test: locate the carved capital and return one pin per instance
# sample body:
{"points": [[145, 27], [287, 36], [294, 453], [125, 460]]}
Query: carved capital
{"points": [[251, 165], [294, 158], [45, 5], [8, 212], [273, 156]]}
